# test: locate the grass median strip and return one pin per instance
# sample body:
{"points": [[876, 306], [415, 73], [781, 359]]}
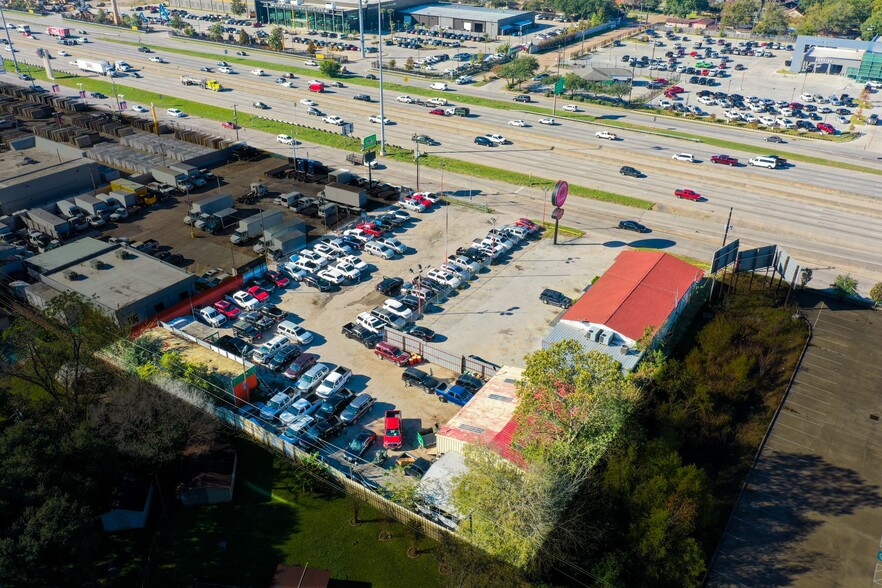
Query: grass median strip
{"points": [[505, 105], [549, 229]]}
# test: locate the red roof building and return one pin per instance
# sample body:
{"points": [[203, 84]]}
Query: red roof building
{"points": [[642, 289]]}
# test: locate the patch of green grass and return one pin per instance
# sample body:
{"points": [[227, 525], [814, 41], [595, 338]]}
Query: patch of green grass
{"points": [[693, 260], [549, 232], [272, 521], [466, 204]]}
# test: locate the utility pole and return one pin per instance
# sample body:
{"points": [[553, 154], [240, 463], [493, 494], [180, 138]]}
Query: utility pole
{"points": [[728, 225], [9, 40], [417, 160], [236, 122], [382, 101], [361, 26], [554, 103]]}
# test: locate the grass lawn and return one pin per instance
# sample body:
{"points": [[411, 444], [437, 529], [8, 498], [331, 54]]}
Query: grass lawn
{"points": [[271, 520]]}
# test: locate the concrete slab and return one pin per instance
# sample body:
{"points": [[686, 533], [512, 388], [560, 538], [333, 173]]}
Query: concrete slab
{"points": [[811, 513]]}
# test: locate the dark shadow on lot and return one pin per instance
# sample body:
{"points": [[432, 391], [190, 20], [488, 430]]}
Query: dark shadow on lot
{"points": [[767, 540], [643, 243]]}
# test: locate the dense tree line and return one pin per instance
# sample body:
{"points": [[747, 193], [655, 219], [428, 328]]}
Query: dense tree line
{"points": [[70, 428]]}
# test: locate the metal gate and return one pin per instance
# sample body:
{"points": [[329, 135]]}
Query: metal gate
{"points": [[456, 363]]}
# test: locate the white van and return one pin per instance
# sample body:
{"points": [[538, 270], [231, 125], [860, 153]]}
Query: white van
{"points": [[767, 162], [294, 333], [270, 348], [438, 86]]}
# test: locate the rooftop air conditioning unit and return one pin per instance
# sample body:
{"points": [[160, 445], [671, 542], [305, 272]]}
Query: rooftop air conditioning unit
{"points": [[121, 254], [591, 335], [70, 275], [96, 264], [606, 337]]}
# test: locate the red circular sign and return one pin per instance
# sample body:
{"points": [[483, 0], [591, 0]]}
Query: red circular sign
{"points": [[557, 213], [559, 194]]}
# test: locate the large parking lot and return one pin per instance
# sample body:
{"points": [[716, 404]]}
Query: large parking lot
{"points": [[763, 75], [497, 315]]}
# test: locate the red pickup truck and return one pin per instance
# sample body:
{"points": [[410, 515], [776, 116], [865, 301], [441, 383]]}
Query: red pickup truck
{"points": [[392, 436], [724, 160]]}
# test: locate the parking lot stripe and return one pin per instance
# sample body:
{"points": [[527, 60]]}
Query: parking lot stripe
{"points": [[774, 436], [804, 407]]}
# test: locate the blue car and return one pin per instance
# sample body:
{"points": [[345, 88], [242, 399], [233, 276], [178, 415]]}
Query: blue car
{"points": [[453, 393]]}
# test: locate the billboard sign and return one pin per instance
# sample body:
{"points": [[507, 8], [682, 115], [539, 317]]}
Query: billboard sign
{"points": [[724, 256], [754, 259], [559, 194]]}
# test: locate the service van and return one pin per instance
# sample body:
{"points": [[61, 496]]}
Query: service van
{"points": [[438, 86], [767, 162]]}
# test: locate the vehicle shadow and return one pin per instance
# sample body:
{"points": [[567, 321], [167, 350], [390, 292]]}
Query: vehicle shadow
{"points": [[642, 243]]}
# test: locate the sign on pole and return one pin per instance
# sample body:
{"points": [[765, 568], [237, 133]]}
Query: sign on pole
{"points": [[559, 86], [370, 156], [369, 142], [559, 194], [557, 213]]}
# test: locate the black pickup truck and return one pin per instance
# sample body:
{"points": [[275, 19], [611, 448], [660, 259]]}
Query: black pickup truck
{"points": [[415, 377], [360, 334]]}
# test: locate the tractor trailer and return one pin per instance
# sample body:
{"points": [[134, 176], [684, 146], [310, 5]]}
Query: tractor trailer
{"points": [[345, 195], [253, 226], [99, 67]]}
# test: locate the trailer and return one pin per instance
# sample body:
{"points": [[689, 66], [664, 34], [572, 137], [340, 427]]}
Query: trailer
{"points": [[99, 67], [46, 222], [222, 219], [91, 204], [288, 200], [212, 204], [253, 226], [69, 209], [60, 32], [283, 245], [194, 176], [192, 81], [344, 195], [339, 176], [283, 237], [172, 177]]}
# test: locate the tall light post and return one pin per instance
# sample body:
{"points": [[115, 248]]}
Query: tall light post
{"points": [[554, 90], [236, 122], [9, 40], [417, 157], [419, 276], [382, 100], [361, 26]]}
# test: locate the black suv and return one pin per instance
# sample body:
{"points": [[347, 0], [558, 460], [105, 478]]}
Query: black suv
{"points": [[234, 345], [627, 170], [360, 334], [555, 298], [362, 97], [390, 286], [522, 98], [415, 377]]}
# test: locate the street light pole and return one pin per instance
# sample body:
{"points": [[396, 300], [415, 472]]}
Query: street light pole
{"points": [[294, 136], [9, 40], [236, 122], [554, 103], [382, 101], [417, 160]]}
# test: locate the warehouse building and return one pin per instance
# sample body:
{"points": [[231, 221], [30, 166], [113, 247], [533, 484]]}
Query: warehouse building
{"points": [[475, 20], [36, 172], [857, 59], [127, 284]]}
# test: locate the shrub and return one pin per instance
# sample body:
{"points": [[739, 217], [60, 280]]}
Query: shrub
{"points": [[876, 293], [845, 285]]}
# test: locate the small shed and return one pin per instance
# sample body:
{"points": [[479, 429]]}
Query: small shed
{"points": [[131, 505], [208, 477]]}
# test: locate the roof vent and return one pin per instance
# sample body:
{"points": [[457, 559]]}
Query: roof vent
{"points": [[70, 275], [96, 264], [121, 254], [624, 349]]}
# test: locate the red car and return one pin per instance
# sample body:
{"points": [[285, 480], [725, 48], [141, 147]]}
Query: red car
{"points": [[662, 81], [826, 128], [676, 89], [416, 198], [388, 351], [276, 278], [227, 308], [687, 194], [437, 111], [259, 293], [371, 229], [392, 436], [229, 125], [724, 160]]}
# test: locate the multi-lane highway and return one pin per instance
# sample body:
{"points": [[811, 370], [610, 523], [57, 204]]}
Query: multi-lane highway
{"points": [[824, 216]]}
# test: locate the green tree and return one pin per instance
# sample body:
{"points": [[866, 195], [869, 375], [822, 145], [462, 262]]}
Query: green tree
{"points": [[244, 37], [876, 293], [574, 83], [101, 16], [503, 48], [275, 40], [657, 501], [216, 32], [330, 67], [683, 8], [835, 18], [606, 9], [618, 89], [571, 404], [311, 48], [738, 13], [238, 7], [844, 285], [872, 26], [409, 64], [57, 353], [774, 19], [175, 22], [517, 70], [392, 63]]}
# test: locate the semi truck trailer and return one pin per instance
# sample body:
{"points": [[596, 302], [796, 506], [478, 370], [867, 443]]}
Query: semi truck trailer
{"points": [[253, 226]]}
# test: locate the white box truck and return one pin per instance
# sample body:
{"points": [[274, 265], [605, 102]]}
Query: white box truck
{"points": [[253, 226], [99, 67]]}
